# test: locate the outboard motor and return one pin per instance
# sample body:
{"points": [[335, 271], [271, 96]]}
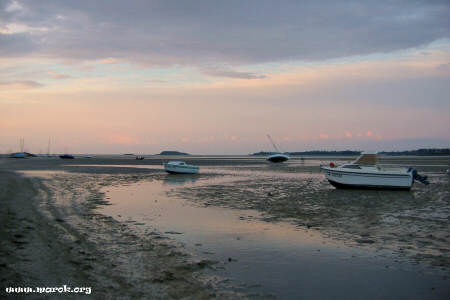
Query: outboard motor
{"points": [[416, 176]]}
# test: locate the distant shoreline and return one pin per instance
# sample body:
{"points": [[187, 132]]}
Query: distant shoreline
{"points": [[418, 152], [349, 153]]}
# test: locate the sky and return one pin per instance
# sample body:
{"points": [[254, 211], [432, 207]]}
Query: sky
{"points": [[215, 77]]}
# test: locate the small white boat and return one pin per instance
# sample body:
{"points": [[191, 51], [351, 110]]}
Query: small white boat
{"points": [[364, 173], [180, 167]]}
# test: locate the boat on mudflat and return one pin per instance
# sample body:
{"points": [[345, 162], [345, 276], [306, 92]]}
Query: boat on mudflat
{"points": [[180, 167], [277, 157], [66, 156], [365, 173]]}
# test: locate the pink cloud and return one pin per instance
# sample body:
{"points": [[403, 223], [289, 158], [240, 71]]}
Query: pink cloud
{"points": [[20, 84], [156, 81], [55, 75], [106, 61]]}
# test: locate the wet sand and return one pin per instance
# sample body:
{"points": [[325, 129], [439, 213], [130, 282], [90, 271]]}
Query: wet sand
{"points": [[54, 232], [52, 237]]}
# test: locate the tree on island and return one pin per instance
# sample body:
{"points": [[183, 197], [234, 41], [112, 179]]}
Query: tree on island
{"points": [[418, 152]]}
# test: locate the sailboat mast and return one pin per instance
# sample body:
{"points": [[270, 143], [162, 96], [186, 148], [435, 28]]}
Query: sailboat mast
{"points": [[273, 143], [48, 148]]}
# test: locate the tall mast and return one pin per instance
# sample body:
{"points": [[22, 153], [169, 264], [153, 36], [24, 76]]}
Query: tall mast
{"points": [[48, 148], [273, 144], [22, 142]]}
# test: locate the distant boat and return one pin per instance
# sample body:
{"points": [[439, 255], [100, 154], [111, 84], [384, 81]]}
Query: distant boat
{"points": [[18, 155], [67, 156], [22, 153], [180, 167], [276, 157], [139, 158], [28, 154], [364, 173]]}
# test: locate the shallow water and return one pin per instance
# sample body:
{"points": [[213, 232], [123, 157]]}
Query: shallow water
{"points": [[265, 259], [259, 214]]}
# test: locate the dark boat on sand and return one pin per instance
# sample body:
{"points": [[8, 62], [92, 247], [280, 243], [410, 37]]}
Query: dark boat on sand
{"points": [[276, 157]]}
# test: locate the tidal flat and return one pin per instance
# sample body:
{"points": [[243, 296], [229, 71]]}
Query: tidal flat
{"points": [[242, 228]]}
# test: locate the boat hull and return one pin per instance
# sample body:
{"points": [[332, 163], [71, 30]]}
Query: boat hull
{"points": [[367, 187], [181, 172], [277, 158], [180, 169], [362, 180]]}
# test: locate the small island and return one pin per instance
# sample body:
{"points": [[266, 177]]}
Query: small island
{"points": [[315, 152], [173, 153]]}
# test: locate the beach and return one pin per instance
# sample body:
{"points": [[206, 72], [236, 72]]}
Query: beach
{"points": [[125, 229]]}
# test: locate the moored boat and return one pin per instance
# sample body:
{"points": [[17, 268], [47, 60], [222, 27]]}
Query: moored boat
{"points": [[180, 167], [365, 173], [18, 155], [277, 157], [66, 156]]}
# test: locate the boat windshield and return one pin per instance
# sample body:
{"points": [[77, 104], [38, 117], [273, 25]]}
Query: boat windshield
{"points": [[351, 166], [177, 162]]}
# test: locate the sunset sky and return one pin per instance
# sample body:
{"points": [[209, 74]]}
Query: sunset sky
{"points": [[214, 77]]}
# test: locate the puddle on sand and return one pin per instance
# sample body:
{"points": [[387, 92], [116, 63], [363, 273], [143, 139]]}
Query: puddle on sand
{"points": [[42, 173], [266, 259]]}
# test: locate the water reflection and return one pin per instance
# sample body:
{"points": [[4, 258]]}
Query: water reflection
{"points": [[180, 179], [269, 258]]}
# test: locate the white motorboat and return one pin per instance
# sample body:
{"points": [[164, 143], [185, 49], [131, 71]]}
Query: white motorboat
{"points": [[180, 167], [364, 173]]}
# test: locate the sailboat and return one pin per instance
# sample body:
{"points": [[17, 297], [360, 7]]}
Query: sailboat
{"points": [[278, 156], [20, 154], [66, 156], [48, 148]]}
